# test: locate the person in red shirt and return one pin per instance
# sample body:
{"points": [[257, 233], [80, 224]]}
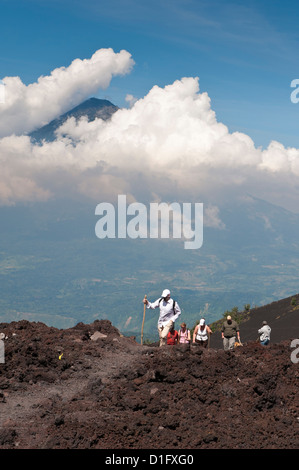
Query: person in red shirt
{"points": [[172, 337]]}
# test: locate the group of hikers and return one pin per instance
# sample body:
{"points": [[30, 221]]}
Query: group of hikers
{"points": [[170, 312]]}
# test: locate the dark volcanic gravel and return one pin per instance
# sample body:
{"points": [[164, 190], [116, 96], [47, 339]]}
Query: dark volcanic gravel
{"points": [[68, 389]]}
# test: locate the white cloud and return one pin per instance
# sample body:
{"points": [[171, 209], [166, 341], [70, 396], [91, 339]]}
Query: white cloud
{"points": [[167, 146], [27, 107], [131, 100], [211, 217]]}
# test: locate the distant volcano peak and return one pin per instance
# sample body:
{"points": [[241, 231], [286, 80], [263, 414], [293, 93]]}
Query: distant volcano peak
{"points": [[92, 108]]}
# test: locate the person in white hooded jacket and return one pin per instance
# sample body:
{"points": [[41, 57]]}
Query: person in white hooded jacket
{"points": [[264, 333], [169, 312]]}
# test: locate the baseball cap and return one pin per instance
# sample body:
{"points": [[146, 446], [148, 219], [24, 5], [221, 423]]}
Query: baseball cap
{"points": [[165, 293]]}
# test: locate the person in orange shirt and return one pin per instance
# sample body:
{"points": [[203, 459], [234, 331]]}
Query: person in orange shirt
{"points": [[172, 337]]}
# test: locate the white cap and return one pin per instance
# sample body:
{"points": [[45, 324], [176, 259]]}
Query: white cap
{"points": [[165, 293], [202, 322]]}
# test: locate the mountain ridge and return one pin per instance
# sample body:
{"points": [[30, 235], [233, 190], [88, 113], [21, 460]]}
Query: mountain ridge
{"points": [[282, 316], [92, 108]]}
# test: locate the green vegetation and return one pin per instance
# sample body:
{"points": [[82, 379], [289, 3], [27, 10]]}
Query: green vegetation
{"points": [[234, 313], [294, 301], [239, 317]]}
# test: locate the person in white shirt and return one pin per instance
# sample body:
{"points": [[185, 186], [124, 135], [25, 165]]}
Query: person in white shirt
{"points": [[264, 333], [169, 312], [201, 333]]}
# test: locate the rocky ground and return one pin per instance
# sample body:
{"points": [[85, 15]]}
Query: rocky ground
{"points": [[88, 387]]}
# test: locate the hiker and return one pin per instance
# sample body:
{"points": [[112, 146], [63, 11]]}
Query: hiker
{"points": [[172, 337], [230, 329], [264, 333], [184, 334], [169, 312], [201, 333]]}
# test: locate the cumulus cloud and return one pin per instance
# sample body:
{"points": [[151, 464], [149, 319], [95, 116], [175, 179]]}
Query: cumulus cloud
{"points": [[131, 100], [167, 146], [27, 107]]}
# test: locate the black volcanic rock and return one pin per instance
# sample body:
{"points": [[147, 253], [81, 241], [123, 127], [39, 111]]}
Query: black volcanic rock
{"points": [[92, 109], [60, 390]]}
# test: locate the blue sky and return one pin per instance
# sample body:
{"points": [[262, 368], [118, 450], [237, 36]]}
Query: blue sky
{"points": [[244, 53]]}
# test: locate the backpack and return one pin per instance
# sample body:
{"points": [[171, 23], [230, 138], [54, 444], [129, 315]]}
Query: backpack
{"points": [[160, 300]]}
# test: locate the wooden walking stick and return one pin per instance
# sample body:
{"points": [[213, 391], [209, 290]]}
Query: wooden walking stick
{"points": [[143, 321]]}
